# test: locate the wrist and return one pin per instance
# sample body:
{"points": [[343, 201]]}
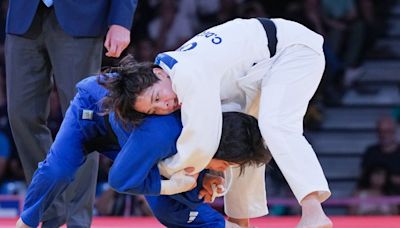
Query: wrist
{"points": [[163, 170], [166, 187]]}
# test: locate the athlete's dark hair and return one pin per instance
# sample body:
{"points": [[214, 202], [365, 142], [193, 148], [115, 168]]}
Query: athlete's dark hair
{"points": [[124, 83], [241, 141]]}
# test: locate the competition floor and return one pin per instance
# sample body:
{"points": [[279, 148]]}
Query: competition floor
{"points": [[268, 222]]}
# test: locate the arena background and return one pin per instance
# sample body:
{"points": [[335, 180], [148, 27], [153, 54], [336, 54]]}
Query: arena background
{"points": [[352, 122]]}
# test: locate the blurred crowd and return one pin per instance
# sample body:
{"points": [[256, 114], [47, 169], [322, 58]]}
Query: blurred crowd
{"points": [[350, 28], [380, 171]]}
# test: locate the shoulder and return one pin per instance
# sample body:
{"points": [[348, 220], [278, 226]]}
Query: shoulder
{"points": [[162, 125], [87, 82]]}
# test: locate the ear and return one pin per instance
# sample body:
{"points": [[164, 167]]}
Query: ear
{"points": [[226, 163], [160, 73]]}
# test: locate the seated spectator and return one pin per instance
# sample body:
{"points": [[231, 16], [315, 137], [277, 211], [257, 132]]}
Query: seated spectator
{"points": [[394, 184], [373, 183], [376, 14], [345, 34], [310, 14], [386, 152]]}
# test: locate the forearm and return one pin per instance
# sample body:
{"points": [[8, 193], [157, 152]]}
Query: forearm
{"points": [[201, 120], [191, 198], [135, 168], [190, 154], [121, 181]]}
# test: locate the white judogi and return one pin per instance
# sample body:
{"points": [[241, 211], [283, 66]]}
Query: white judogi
{"points": [[230, 66]]}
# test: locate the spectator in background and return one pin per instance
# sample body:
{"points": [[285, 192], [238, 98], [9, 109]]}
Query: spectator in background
{"points": [[226, 10], [368, 14], [145, 12], [386, 152], [145, 50], [345, 33], [170, 29], [331, 85], [252, 9], [375, 13], [394, 181], [394, 184], [205, 11], [373, 183], [62, 39]]}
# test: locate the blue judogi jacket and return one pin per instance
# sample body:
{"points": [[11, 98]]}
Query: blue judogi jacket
{"points": [[135, 161]]}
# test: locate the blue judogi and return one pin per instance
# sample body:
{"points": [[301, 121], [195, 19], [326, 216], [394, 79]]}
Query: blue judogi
{"points": [[135, 167], [154, 140], [181, 210]]}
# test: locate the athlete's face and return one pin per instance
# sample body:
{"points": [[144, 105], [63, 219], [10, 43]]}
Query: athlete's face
{"points": [[158, 99], [219, 165]]}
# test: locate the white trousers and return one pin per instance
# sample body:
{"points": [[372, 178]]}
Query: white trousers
{"points": [[247, 197], [287, 88]]}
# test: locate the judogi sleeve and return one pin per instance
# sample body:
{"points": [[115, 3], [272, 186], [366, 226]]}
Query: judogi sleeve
{"points": [[135, 168], [202, 122]]}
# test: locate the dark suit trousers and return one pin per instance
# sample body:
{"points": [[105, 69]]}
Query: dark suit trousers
{"points": [[43, 57]]}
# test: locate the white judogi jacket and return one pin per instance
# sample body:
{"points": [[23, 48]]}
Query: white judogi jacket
{"points": [[221, 67]]}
